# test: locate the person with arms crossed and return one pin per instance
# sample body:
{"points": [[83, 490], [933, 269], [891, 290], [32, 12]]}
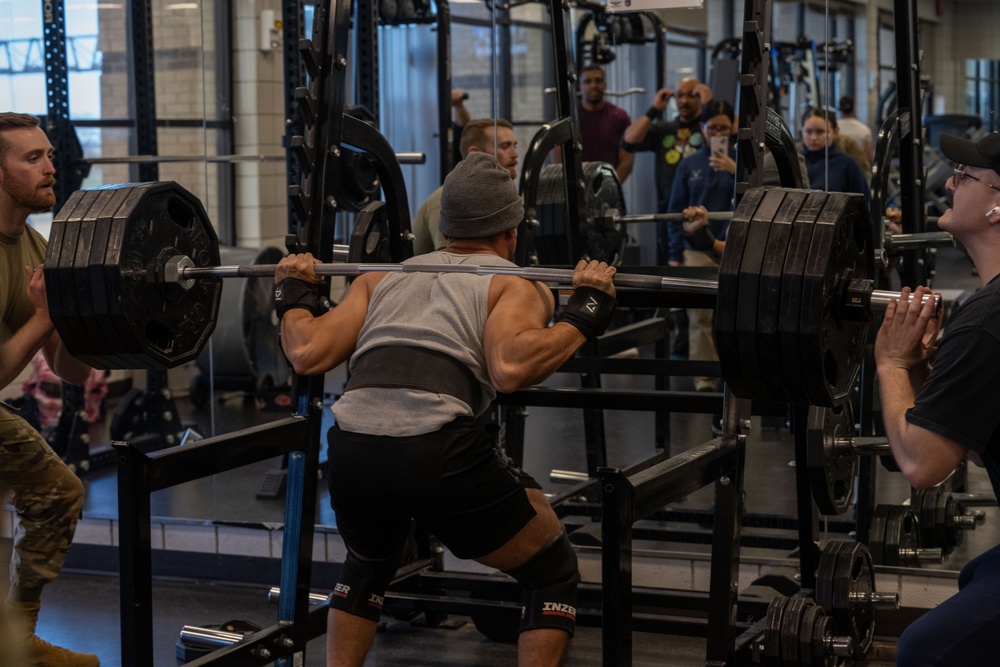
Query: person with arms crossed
{"points": [[47, 496], [428, 352], [939, 402]]}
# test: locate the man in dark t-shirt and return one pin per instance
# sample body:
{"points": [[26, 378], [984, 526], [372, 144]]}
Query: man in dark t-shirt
{"points": [[602, 124], [671, 141], [940, 403]]}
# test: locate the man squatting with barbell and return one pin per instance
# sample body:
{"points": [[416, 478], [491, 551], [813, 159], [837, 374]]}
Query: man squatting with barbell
{"points": [[428, 352], [46, 494]]}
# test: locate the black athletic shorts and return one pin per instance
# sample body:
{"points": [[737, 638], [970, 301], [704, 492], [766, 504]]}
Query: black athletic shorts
{"points": [[455, 481]]}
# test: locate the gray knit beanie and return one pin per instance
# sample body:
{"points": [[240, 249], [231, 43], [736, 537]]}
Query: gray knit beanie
{"points": [[479, 199]]}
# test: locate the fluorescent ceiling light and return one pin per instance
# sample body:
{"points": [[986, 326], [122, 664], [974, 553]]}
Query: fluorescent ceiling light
{"points": [[182, 5]]}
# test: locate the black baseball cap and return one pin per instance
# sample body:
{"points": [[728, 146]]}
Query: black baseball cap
{"points": [[984, 153]]}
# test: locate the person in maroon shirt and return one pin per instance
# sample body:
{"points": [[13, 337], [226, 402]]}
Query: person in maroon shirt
{"points": [[602, 124]]}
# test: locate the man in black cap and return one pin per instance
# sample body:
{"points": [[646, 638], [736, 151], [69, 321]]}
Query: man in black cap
{"points": [[428, 352], [940, 398]]}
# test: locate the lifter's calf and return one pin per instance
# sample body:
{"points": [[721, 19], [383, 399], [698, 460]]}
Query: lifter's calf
{"points": [[544, 563], [348, 639]]}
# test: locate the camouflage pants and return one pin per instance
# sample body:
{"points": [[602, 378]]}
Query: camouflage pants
{"points": [[48, 499]]}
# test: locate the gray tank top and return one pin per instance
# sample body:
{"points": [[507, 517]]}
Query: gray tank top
{"points": [[445, 312]]}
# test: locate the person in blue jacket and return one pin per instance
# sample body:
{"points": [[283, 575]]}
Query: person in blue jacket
{"points": [[829, 169], [705, 181]]}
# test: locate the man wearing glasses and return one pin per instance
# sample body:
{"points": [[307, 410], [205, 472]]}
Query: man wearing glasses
{"points": [[672, 141], [940, 398]]}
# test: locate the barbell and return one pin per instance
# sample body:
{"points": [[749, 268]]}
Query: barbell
{"points": [[603, 232], [134, 281]]}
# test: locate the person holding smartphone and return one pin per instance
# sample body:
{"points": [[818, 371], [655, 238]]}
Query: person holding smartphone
{"points": [[705, 182]]}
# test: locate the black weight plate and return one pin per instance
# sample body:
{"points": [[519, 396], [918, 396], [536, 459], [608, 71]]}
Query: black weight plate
{"points": [[772, 631], [370, 236], [131, 353], [769, 298], [601, 237], [747, 308], [791, 621], [923, 503], [59, 289], [173, 323], [876, 534], [825, 573], [84, 286], [727, 301], [791, 295], [831, 469], [831, 345], [97, 276], [902, 536], [54, 271], [950, 533], [604, 237], [822, 628], [854, 582], [810, 615]]}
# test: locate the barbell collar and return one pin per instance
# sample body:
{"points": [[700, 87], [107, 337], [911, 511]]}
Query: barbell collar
{"points": [[274, 596], [183, 272], [875, 446], [898, 243], [568, 476], [840, 646], [922, 555], [193, 635], [975, 499], [877, 599]]}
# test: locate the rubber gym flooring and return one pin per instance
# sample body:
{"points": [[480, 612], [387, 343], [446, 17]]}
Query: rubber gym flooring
{"points": [[81, 609]]}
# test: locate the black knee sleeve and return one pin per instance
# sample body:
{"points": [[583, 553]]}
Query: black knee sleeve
{"points": [[360, 590], [549, 580]]}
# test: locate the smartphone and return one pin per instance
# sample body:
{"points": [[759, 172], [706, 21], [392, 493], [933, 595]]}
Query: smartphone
{"points": [[719, 145]]}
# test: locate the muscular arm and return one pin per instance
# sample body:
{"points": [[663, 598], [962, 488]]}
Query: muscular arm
{"points": [[902, 350], [520, 348], [315, 345]]}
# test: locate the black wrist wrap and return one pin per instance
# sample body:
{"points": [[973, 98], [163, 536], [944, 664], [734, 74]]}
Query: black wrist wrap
{"points": [[700, 239], [294, 293], [589, 310], [653, 114]]}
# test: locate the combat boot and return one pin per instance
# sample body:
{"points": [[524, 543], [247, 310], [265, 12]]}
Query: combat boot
{"points": [[37, 652]]}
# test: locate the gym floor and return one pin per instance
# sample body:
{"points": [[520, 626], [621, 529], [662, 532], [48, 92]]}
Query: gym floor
{"points": [[81, 609]]}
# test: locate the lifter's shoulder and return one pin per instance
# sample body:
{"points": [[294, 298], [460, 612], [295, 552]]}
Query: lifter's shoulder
{"points": [[519, 292]]}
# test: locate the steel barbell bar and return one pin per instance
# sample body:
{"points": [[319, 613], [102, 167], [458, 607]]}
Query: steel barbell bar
{"points": [[403, 158], [181, 270], [893, 243]]}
